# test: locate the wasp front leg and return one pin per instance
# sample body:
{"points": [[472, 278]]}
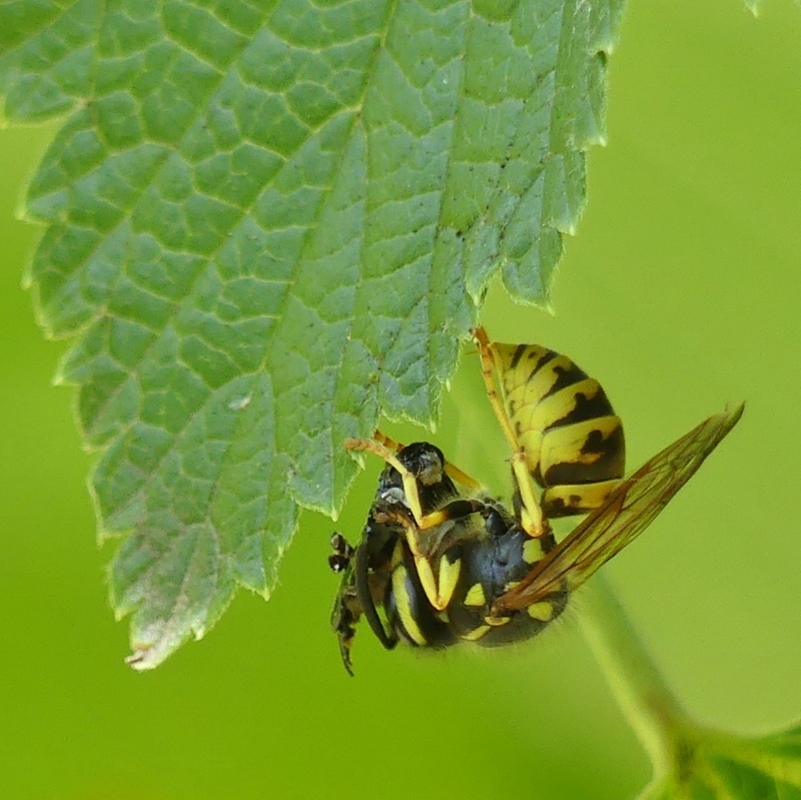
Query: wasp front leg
{"points": [[530, 516], [408, 479], [431, 473], [451, 470], [440, 577], [438, 584]]}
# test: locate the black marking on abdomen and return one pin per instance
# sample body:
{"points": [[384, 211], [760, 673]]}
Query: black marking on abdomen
{"points": [[609, 464], [585, 408], [565, 376], [518, 354], [595, 443], [549, 355]]}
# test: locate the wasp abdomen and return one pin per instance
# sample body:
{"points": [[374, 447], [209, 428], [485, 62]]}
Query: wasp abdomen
{"points": [[563, 420]]}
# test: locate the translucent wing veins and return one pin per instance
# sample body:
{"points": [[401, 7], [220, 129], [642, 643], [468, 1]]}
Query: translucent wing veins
{"points": [[630, 508]]}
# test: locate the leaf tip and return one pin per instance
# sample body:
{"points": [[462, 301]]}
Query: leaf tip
{"points": [[147, 656], [140, 661]]}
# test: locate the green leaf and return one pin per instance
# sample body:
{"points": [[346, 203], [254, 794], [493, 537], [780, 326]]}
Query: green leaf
{"points": [[268, 222], [709, 765]]}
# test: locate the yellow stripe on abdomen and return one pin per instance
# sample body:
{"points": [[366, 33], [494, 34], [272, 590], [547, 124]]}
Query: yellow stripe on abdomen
{"points": [[566, 427], [530, 388], [400, 588], [576, 498], [571, 404]]}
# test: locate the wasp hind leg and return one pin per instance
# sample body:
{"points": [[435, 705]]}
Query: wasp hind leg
{"points": [[530, 516]]}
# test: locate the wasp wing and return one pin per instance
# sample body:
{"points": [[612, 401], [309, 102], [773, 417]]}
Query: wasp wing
{"points": [[628, 510]]}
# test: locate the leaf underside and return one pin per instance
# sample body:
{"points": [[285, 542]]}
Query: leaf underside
{"points": [[714, 766], [265, 224]]}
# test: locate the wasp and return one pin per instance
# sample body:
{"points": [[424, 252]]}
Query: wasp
{"points": [[441, 562]]}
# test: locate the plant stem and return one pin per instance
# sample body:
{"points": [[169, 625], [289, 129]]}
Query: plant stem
{"points": [[648, 704]]}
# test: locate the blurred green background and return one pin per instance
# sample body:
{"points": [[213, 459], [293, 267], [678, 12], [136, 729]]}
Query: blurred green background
{"points": [[681, 292]]}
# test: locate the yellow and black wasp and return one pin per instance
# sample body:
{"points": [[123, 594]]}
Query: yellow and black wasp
{"points": [[440, 562]]}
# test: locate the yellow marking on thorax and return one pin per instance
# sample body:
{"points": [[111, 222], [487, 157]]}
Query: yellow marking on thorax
{"points": [[511, 584], [404, 605], [476, 596], [471, 636], [542, 611], [496, 622], [532, 551]]}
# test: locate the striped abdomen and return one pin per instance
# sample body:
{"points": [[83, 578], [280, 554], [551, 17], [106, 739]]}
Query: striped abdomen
{"points": [[572, 438], [489, 563]]}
